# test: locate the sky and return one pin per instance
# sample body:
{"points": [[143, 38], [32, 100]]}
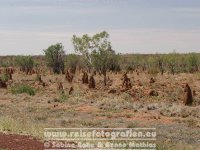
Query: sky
{"points": [[135, 26]]}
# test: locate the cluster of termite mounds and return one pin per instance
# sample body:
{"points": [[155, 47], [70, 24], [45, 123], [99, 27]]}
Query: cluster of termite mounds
{"points": [[69, 76], [88, 79], [187, 95], [28, 71], [60, 88], [126, 85]]}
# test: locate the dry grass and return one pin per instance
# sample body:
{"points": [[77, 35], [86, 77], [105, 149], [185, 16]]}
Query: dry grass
{"points": [[91, 108], [11, 125]]}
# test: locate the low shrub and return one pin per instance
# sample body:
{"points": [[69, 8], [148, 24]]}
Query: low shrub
{"points": [[4, 77], [23, 88]]}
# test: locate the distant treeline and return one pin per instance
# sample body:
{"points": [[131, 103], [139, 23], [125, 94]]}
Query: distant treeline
{"points": [[152, 63]]}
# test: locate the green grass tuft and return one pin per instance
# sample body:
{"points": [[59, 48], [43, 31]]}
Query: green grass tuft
{"points": [[4, 77], [18, 89]]}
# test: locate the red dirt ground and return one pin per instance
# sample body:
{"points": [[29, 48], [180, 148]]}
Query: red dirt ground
{"points": [[19, 142]]}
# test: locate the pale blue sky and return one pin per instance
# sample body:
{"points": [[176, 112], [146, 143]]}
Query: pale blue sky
{"points": [[135, 26]]}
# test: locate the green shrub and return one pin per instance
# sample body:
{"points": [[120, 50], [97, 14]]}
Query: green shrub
{"points": [[55, 55], [172, 61], [26, 63], [152, 65], [18, 89], [4, 77], [129, 68], [114, 63], [193, 62]]}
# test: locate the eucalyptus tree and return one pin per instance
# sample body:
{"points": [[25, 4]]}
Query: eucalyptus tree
{"points": [[96, 49]]}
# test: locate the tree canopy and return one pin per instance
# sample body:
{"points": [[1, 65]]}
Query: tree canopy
{"points": [[55, 57], [97, 50]]}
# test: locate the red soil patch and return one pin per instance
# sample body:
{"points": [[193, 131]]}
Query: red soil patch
{"points": [[19, 142]]}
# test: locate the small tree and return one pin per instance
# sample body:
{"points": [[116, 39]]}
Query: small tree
{"points": [[96, 50], [55, 57], [83, 46], [102, 53], [101, 60]]}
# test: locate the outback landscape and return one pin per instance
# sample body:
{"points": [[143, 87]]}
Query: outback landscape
{"points": [[115, 66], [114, 90]]}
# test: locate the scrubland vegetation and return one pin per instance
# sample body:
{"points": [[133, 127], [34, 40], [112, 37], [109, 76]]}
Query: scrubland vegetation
{"points": [[97, 87]]}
